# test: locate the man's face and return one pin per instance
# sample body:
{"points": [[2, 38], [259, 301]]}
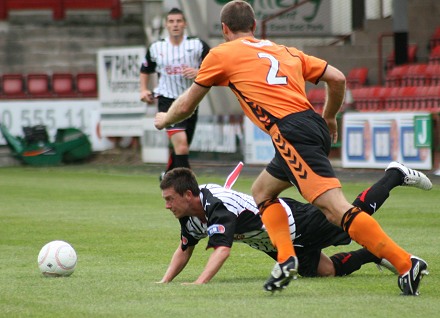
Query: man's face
{"points": [[178, 204], [175, 25]]}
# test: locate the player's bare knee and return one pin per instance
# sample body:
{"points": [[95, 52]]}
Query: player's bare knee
{"points": [[326, 267], [326, 272], [258, 194], [333, 204], [331, 215], [334, 219]]}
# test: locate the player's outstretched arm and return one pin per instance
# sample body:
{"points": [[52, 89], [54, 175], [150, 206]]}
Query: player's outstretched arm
{"points": [[215, 262], [183, 107], [178, 262]]}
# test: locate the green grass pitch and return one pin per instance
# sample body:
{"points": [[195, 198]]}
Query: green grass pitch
{"points": [[124, 237]]}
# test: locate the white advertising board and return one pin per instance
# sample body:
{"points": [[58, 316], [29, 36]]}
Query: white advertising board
{"points": [[118, 74], [372, 140], [208, 137], [258, 145], [82, 114], [154, 143], [121, 108]]}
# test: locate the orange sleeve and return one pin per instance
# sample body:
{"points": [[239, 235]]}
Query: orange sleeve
{"points": [[211, 72], [313, 67]]}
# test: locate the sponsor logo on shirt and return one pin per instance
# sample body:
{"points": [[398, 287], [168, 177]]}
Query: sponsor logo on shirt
{"points": [[175, 69], [184, 240], [216, 229]]}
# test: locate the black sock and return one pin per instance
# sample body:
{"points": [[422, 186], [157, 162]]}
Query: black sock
{"points": [[181, 161], [371, 199], [347, 263], [391, 179]]}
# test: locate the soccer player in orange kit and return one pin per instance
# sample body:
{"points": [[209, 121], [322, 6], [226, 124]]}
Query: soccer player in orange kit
{"points": [[269, 82]]}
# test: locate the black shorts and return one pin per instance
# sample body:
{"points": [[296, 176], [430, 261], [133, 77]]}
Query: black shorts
{"points": [[189, 124], [313, 233], [302, 144]]}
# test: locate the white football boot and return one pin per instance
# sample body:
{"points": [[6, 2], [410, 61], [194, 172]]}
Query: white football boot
{"points": [[412, 178]]}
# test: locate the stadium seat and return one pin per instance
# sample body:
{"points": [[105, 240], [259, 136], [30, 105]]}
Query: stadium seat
{"points": [[59, 7], [114, 6], [87, 84], [370, 98], [357, 77], [13, 86], [415, 75], [434, 40], [38, 86], [434, 55], [394, 76], [433, 74], [412, 56], [63, 85], [316, 97], [401, 98], [55, 5], [420, 98], [360, 96], [432, 99]]}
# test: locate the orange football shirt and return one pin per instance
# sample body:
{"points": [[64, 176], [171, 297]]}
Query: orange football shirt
{"points": [[268, 79]]}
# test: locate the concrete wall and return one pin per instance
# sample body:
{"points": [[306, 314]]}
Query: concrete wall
{"points": [[34, 42]]}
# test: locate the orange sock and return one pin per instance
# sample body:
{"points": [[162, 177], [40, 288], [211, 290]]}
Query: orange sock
{"points": [[277, 225], [366, 231]]}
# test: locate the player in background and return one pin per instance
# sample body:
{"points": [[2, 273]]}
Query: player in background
{"points": [[176, 59], [269, 82], [226, 216]]}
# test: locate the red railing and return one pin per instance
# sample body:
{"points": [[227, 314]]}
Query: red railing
{"points": [[59, 7]]}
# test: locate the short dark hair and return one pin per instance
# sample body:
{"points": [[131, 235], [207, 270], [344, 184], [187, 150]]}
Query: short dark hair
{"points": [[238, 15], [176, 11], [182, 180]]}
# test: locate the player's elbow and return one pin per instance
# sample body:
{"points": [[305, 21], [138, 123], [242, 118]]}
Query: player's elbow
{"points": [[334, 77], [224, 251], [340, 77]]}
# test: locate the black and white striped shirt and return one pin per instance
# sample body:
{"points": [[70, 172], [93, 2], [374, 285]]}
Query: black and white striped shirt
{"points": [[231, 217], [169, 60]]}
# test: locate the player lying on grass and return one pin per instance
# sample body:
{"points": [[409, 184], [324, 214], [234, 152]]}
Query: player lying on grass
{"points": [[227, 216]]}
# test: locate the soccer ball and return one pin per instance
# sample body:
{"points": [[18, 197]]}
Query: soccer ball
{"points": [[57, 258]]}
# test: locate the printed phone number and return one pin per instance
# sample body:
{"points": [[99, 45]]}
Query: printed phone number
{"points": [[51, 118]]}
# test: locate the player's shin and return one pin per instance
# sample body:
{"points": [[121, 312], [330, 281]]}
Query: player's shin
{"points": [[371, 199], [367, 232], [275, 220]]}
